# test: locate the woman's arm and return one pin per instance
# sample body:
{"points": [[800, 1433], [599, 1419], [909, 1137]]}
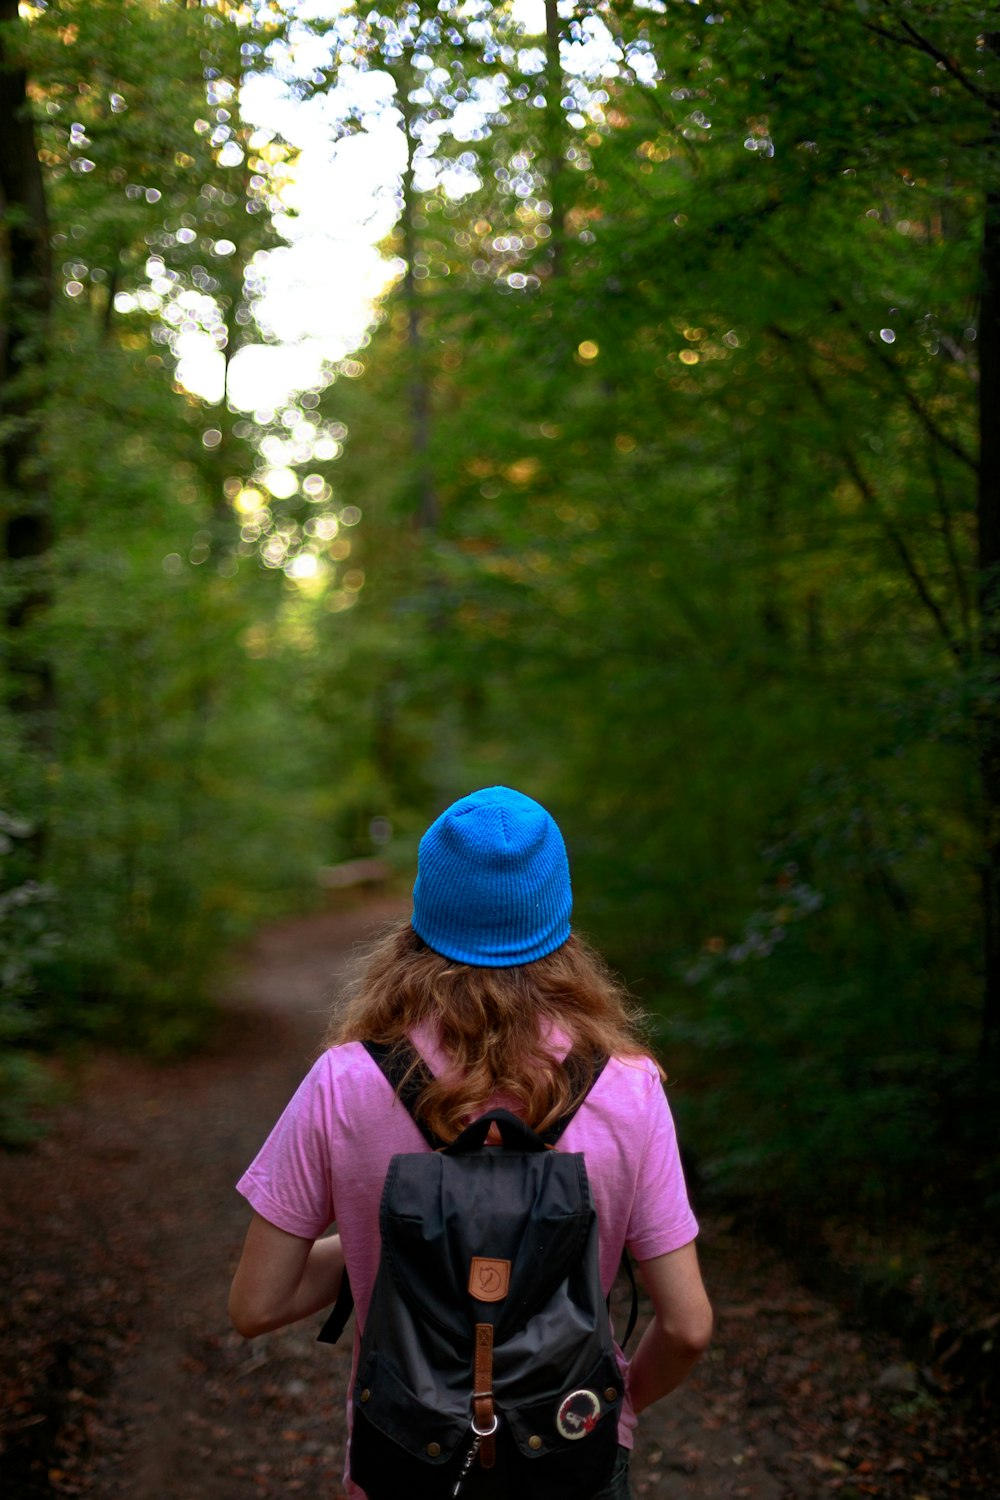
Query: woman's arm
{"points": [[281, 1278], [679, 1331]]}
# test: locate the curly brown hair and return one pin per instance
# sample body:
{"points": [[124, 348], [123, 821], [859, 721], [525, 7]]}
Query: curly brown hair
{"points": [[491, 1023]]}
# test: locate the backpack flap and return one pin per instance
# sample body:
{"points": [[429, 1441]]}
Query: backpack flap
{"points": [[440, 1213], [557, 1384], [558, 1447], [399, 1444]]}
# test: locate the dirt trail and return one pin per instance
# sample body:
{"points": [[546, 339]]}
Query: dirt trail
{"points": [[122, 1377]]}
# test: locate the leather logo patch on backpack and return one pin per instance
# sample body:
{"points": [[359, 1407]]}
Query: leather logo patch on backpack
{"points": [[488, 1279]]}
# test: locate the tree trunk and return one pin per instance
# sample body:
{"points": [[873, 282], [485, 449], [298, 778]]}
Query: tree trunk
{"points": [[554, 131], [988, 345], [27, 273], [772, 616], [427, 507]]}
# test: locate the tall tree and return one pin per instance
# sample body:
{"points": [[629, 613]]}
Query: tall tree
{"points": [[27, 303]]}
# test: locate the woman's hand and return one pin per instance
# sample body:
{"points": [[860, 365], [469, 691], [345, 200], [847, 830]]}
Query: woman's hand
{"points": [[282, 1278]]}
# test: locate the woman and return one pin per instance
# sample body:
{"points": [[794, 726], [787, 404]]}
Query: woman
{"points": [[493, 990]]}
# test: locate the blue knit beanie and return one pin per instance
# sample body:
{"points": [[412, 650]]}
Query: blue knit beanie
{"points": [[492, 884]]}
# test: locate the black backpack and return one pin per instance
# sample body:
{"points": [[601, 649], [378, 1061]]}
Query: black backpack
{"points": [[488, 1344]]}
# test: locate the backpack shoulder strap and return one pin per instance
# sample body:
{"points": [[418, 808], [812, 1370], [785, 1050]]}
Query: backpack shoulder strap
{"points": [[583, 1073], [579, 1070], [633, 1313], [339, 1314], [408, 1075]]}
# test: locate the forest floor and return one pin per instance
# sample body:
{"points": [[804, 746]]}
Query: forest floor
{"points": [[121, 1376]]}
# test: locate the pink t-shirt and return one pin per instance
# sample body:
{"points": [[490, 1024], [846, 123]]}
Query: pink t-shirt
{"points": [[325, 1161]]}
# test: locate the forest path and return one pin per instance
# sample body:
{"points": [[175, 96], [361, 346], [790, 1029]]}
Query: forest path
{"points": [[119, 1234]]}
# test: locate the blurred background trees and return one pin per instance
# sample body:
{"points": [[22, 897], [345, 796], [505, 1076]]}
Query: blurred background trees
{"points": [[664, 488]]}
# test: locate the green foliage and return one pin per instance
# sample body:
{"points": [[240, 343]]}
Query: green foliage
{"points": [[161, 791], [654, 492], [700, 570]]}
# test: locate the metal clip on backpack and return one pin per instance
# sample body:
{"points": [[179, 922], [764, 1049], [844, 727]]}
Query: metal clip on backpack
{"points": [[487, 1338]]}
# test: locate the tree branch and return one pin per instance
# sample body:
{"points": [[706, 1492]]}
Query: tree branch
{"points": [[923, 416], [948, 532], [868, 494], [918, 43]]}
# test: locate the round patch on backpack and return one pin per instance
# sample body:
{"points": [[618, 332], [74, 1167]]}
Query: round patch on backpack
{"points": [[578, 1414]]}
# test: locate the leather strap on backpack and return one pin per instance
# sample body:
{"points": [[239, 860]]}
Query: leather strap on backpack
{"points": [[484, 1417]]}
